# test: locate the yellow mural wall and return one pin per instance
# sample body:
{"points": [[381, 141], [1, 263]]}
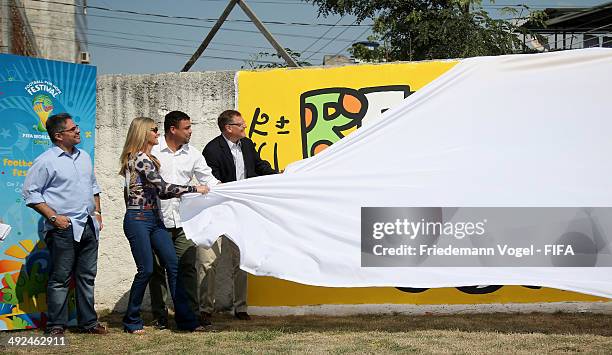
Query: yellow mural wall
{"points": [[293, 114]]}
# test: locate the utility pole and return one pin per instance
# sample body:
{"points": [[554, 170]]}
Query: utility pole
{"points": [[209, 37], [247, 10], [279, 49]]}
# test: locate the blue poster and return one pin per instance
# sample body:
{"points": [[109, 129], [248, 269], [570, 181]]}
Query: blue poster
{"points": [[31, 90]]}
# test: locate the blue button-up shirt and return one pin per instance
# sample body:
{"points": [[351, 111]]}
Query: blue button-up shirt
{"points": [[66, 183]]}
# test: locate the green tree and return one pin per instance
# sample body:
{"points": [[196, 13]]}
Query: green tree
{"points": [[433, 29]]}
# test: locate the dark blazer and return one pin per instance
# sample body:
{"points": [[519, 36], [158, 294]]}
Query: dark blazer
{"points": [[219, 158]]}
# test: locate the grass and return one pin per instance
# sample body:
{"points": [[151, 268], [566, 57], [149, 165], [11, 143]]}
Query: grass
{"points": [[462, 333]]}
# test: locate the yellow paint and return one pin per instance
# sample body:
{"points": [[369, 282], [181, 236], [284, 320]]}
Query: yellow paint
{"points": [[276, 93], [17, 310], [27, 245], [268, 291], [16, 252], [346, 132]]}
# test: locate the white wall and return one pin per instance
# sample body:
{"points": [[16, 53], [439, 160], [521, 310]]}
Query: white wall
{"points": [[120, 98]]}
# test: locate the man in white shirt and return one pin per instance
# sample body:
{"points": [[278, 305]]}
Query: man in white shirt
{"points": [[180, 164]]}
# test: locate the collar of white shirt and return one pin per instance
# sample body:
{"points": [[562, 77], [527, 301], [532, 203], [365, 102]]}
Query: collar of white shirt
{"points": [[233, 145], [163, 146]]}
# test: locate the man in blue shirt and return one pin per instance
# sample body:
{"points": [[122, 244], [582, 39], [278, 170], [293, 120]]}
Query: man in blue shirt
{"points": [[61, 186]]}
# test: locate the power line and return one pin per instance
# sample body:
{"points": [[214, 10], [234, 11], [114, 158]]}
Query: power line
{"points": [[191, 18], [323, 35], [149, 50], [330, 42], [358, 37], [90, 30], [189, 25], [167, 43]]}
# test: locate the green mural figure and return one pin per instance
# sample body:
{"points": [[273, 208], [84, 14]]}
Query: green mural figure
{"points": [[330, 114], [327, 115]]}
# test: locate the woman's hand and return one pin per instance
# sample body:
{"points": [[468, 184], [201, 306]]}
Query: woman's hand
{"points": [[203, 189]]}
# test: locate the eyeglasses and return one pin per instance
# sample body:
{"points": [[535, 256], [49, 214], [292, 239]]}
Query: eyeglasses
{"points": [[71, 130], [237, 124], [154, 129]]}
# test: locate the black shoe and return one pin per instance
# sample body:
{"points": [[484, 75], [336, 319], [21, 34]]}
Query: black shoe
{"points": [[160, 324], [54, 331], [205, 318], [97, 329], [242, 315]]}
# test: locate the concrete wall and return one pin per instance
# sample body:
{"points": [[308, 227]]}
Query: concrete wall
{"points": [[121, 98], [54, 27]]}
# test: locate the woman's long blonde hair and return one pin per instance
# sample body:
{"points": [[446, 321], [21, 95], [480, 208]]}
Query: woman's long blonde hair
{"points": [[136, 141]]}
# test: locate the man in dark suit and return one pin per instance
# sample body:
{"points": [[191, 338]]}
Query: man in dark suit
{"points": [[232, 157]]}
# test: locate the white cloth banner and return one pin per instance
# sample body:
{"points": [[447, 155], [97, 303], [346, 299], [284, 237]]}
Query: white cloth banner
{"points": [[514, 131]]}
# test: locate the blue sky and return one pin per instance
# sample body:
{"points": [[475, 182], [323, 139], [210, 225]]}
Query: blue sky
{"points": [[130, 43]]}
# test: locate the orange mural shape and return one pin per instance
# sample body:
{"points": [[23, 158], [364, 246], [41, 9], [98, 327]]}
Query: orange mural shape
{"points": [[351, 104]]}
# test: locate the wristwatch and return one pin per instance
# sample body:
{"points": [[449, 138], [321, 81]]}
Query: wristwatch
{"points": [[52, 219]]}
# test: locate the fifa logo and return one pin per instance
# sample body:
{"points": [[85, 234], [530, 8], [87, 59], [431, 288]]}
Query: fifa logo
{"points": [[43, 106], [44, 92]]}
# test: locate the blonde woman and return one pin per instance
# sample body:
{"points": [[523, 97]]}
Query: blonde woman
{"points": [[144, 228]]}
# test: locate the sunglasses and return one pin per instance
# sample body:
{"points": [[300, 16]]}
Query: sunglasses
{"points": [[154, 129]]}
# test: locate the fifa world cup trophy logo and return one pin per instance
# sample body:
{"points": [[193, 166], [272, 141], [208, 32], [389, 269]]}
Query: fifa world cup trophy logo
{"points": [[43, 106]]}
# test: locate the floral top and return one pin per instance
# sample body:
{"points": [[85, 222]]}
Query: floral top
{"points": [[145, 185]]}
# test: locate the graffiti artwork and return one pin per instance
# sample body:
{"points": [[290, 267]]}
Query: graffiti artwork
{"points": [[330, 114]]}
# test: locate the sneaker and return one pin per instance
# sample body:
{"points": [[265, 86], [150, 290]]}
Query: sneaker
{"points": [[98, 329], [205, 319], [242, 315]]}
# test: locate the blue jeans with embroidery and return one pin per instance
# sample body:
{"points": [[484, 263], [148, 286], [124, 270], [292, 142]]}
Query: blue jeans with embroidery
{"points": [[146, 233]]}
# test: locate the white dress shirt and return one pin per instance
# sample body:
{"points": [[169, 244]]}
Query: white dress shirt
{"points": [[180, 168], [236, 149]]}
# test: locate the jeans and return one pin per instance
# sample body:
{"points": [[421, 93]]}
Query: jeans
{"points": [[146, 233], [187, 274], [80, 259]]}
